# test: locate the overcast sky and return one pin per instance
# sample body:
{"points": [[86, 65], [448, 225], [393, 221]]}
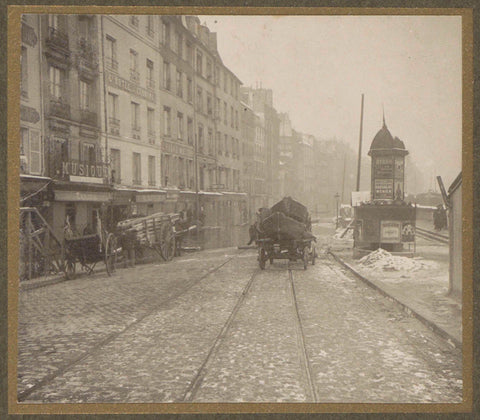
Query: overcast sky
{"points": [[318, 67]]}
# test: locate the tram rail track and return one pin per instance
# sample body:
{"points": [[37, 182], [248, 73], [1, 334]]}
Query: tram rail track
{"points": [[301, 341], [197, 380], [432, 236], [23, 395]]}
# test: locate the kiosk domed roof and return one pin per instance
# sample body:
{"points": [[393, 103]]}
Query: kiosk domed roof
{"points": [[384, 140]]}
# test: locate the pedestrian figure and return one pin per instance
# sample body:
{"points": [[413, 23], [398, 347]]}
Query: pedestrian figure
{"points": [[127, 242], [253, 233]]}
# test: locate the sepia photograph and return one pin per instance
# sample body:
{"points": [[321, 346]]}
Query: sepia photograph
{"points": [[250, 208]]}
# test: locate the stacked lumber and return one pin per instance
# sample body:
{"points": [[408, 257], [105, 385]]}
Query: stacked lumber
{"points": [[147, 230]]}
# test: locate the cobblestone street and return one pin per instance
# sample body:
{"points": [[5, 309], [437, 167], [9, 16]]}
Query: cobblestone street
{"points": [[166, 333]]}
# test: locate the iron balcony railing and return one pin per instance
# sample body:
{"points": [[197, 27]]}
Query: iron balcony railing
{"points": [[56, 37], [88, 117], [59, 108]]}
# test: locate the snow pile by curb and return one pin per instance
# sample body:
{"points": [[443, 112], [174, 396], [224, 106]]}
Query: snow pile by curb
{"points": [[383, 260]]}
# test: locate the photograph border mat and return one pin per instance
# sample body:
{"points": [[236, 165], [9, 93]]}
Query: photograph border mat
{"points": [[13, 185]]}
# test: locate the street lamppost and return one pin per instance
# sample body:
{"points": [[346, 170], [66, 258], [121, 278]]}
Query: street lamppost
{"points": [[337, 196]]}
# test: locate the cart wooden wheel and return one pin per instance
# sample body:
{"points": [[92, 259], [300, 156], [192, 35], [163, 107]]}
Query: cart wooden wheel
{"points": [[110, 253], [70, 268], [314, 254], [167, 244], [262, 257], [305, 257]]}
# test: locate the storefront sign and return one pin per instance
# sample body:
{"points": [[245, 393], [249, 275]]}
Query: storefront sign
{"points": [[390, 232], [97, 196], [383, 189], [150, 198], [83, 169], [128, 86], [383, 167], [176, 149]]}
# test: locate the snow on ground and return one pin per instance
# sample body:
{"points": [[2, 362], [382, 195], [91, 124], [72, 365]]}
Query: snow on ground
{"points": [[382, 260]]}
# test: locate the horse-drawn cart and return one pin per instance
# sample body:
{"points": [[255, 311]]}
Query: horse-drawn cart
{"points": [[155, 232], [284, 232], [88, 250]]}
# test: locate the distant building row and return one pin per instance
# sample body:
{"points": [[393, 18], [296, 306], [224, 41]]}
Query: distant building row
{"points": [[138, 113]]}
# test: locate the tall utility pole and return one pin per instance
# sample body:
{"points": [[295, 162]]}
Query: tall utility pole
{"points": [[360, 147], [343, 177]]}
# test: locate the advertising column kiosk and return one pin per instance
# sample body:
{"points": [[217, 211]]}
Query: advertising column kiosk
{"points": [[386, 221]]}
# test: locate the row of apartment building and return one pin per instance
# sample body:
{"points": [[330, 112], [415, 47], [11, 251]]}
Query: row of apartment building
{"points": [[139, 114]]}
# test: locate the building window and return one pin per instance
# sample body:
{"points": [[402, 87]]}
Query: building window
{"points": [[84, 95], [236, 120], [115, 165], [111, 53], [200, 138], [151, 171], [24, 73], [135, 108], [56, 83], [150, 28], [167, 123], [166, 34], [209, 69], [134, 75], [211, 145], [189, 90], [225, 82], [231, 116], [150, 75], [217, 108], [180, 46], [190, 179], [219, 143], [209, 104], [151, 125], [134, 21], [179, 84], [136, 169], [189, 54], [30, 151], [175, 42], [166, 75], [181, 172], [227, 149], [88, 153], [200, 99], [113, 121], [217, 76], [180, 125], [190, 131], [225, 113], [166, 169], [199, 63]]}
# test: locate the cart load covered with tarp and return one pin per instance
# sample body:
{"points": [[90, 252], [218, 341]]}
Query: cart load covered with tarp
{"points": [[287, 219], [284, 232]]}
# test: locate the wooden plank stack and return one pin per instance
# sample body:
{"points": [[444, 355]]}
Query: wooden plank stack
{"points": [[148, 229]]}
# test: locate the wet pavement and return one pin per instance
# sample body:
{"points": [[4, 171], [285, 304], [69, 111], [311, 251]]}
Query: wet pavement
{"points": [[147, 334]]}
